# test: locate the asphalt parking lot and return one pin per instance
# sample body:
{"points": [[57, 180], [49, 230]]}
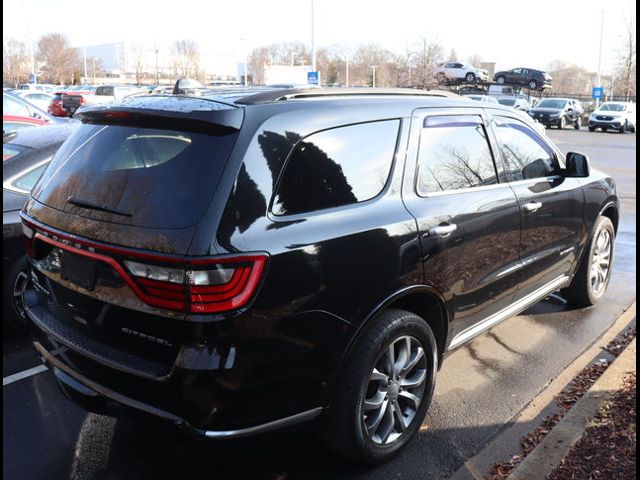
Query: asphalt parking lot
{"points": [[480, 389]]}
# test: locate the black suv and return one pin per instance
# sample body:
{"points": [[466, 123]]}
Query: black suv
{"points": [[242, 262], [558, 112], [528, 77]]}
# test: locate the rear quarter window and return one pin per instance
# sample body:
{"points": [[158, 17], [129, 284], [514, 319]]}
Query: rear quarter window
{"points": [[337, 167]]}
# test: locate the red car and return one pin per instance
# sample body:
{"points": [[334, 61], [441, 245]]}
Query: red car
{"points": [[55, 107], [15, 122]]}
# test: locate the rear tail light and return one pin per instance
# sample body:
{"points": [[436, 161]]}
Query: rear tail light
{"points": [[190, 285], [200, 286]]}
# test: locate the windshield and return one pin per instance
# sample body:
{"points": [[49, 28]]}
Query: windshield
{"points": [[158, 178], [551, 103], [509, 102], [613, 107]]}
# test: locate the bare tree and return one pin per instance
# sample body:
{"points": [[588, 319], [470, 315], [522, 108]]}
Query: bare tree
{"points": [[258, 60], [138, 59], [569, 78], [427, 55], [59, 60], [453, 55], [186, 57], [475, 60], [15, 61], [627, 63]]}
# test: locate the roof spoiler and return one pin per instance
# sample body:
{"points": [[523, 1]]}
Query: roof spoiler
{"points": [[167, 112]]}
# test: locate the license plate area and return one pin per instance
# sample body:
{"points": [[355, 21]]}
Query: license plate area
{"points": [[79, 270]]}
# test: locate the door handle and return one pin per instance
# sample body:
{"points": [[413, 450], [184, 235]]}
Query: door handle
{"points": [[532, 207], [442, 230]]}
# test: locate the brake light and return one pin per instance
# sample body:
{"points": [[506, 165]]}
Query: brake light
{"points": [[202, 286]]}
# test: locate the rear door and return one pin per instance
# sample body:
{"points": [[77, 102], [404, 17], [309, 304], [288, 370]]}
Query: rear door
{"points": [[551, 205], [468, 220]]}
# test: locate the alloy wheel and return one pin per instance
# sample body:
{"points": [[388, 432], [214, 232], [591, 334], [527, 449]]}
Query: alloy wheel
{"points": [[394, 391], [600, 262], [18, 293]]}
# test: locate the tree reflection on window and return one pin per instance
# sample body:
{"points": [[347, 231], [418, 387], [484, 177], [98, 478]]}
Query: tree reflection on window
{"points": [[454, 154]]}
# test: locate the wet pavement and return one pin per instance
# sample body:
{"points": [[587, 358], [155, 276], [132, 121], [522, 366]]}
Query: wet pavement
{"points": [[480, 389]]}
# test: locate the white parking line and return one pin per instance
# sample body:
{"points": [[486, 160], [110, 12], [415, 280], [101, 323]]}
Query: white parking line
{"points": [[24, 374]]}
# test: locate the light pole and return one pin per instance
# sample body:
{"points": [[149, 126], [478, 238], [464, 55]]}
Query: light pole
{"points": [[245, 56], [313, 39], [86, 78], [373, 67], [347, 73], [157, 76], [600, 55]]}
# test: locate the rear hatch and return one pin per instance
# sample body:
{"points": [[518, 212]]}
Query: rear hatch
{"points": [[135, 175]]}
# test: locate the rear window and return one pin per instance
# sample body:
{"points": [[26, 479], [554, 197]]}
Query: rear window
{"points": [[151, 178]]}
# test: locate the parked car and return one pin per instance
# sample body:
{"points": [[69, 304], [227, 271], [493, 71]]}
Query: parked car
{"points": [[40, 99], [619, 116], [11, 123], [71, 101], [37, 87], [25, 155], [235, 264], [460, 71], [558, 112], [516, 103], [529, 77], [481, 98], [13, 104]]}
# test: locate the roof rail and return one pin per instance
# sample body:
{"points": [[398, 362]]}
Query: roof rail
{"points": [[297, 93]]}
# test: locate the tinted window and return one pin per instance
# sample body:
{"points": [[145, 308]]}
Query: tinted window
{"points": [[526, 154], [11, 106], [454, 154], [26, 181], [161, 178], [337, 167]]}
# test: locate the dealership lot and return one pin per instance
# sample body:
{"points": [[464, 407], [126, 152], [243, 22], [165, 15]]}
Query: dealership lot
{"points": [[480, 388]]}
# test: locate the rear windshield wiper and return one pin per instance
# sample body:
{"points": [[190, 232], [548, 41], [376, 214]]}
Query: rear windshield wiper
{"points": [[95, 206]]}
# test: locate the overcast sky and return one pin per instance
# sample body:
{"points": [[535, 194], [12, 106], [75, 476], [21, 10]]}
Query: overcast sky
{"points": [[511, 33]]}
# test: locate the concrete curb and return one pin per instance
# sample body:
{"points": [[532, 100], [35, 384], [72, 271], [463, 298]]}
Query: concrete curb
{"points": [[506, 444], [548, 455]]}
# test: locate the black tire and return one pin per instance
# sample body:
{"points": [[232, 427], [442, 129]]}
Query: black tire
{"points": [[500, 80], [592, 129], [344, 429], [624, 127], [562, 123], [581, 292], [13, 307], [578, 124], [533, 85], [470, 77]]}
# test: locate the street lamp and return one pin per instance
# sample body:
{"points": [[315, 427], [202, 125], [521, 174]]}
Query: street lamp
{"points": [[373, 67], [313, 40], [245, 56], [347, 72], [600, 56], [157, 77]]}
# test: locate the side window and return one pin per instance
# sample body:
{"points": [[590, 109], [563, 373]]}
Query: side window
{"points": [[14, 107], [526, 155], [337, 167], [454, 154]]}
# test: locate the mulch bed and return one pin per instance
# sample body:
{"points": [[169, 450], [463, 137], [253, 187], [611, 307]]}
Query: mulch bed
{"points": [[607, 451], [566, 399]]}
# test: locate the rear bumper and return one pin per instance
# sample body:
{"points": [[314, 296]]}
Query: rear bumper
{"points": [[98, 398]]}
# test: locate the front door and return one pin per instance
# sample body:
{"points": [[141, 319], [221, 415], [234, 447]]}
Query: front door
{"points": [[468, 221], [551, 205]]}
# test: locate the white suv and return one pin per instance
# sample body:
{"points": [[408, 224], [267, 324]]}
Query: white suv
{"points": [[619, 116], [460, 71]]}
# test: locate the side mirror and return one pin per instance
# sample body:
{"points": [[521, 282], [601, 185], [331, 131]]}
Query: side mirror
{"points": [[577, 165]]}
